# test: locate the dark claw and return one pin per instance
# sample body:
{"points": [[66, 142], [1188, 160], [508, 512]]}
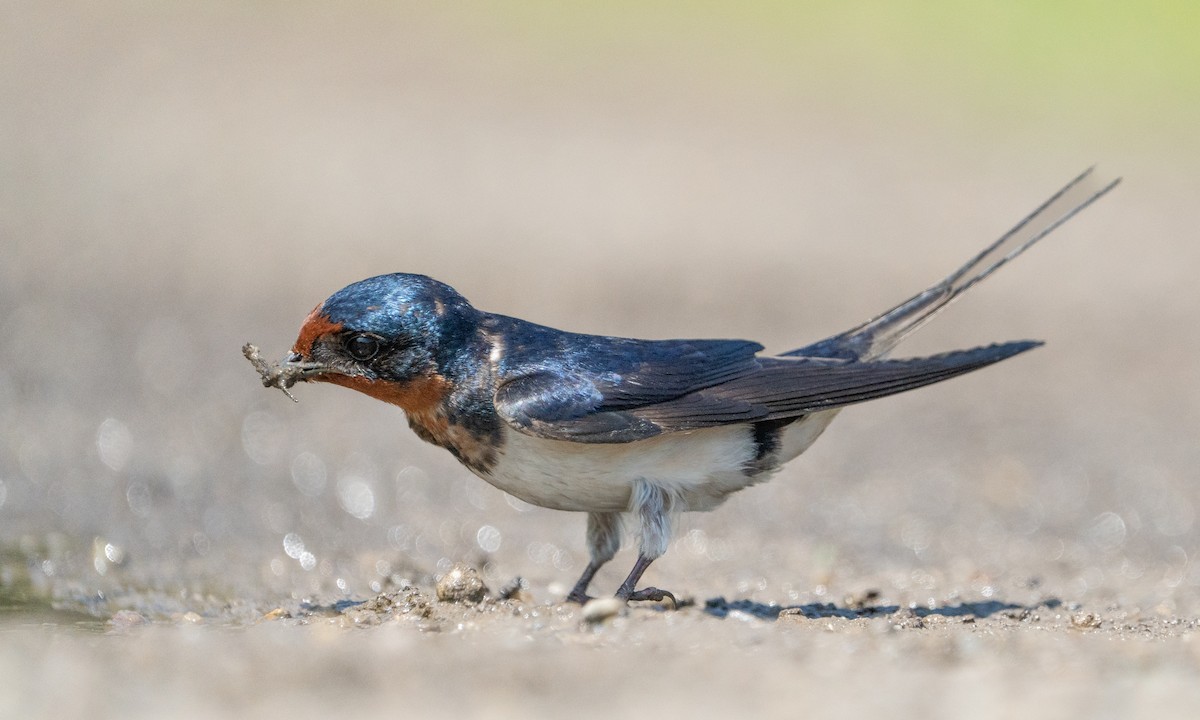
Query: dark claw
{"points": [[578, 597], [650, 593]]}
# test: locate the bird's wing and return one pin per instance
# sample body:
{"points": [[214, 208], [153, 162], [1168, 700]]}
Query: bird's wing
{"points": [[577, 406], [593, 386]]}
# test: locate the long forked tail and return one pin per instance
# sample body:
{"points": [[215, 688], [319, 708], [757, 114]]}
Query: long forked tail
{"points": [[877, 336]]}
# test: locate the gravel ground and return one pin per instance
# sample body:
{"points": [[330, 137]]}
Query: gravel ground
{"points": [[177, 541]]}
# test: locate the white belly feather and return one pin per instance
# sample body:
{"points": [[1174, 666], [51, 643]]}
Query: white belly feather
{"points": [[698, 468]]}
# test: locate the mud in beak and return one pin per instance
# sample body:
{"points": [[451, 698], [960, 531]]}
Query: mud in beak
{"points": [[284, 375]]}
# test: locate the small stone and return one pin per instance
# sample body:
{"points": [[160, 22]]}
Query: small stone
{"points": [[461, 584], [1085, 620], [907, 619], [277, 614], [597, 610], [192, 618], [125, 619]]}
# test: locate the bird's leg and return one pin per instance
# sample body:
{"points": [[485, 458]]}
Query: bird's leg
{"points": [[578, 593], [651, 506], [603, 539], [627, 592]]}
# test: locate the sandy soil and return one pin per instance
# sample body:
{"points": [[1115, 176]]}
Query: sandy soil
{"points": [[176, 541], [511, 659]]}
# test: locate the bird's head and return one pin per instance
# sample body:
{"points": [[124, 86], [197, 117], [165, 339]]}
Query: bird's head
{"points": [[388, 336]]}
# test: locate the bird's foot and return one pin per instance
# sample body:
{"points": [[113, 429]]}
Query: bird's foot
{"points": [[649, 593], [578, 596]]}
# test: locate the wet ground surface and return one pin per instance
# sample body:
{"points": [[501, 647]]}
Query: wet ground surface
{"points": [[178, 541]]}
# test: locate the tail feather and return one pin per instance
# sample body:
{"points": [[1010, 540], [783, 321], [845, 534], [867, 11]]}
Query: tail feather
{"points": [[877, 336]]}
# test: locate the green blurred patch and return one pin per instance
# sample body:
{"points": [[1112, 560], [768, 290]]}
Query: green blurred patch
{"points": [[1127, 59], [16, 590], [22, 603]]}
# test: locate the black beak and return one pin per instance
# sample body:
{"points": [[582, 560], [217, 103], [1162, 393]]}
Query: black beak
{"points": [[295, 368]]}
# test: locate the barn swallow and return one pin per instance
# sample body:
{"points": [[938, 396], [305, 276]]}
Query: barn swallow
{"points": [[629, 431]]}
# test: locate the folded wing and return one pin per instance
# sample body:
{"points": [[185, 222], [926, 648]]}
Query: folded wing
{"points": [[674, 395]]}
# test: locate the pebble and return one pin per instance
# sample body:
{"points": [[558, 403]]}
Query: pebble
{"points": [[597, 610], [125, 619], [461, 584]]}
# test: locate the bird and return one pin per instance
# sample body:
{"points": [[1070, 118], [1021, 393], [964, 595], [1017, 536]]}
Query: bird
{"points": [[630, 432]]}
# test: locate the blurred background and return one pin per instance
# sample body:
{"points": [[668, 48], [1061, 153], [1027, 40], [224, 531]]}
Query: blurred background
{"points": [[177, 179]]}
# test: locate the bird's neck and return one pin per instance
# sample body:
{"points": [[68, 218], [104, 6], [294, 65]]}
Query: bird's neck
{"points": [[474, 440]]}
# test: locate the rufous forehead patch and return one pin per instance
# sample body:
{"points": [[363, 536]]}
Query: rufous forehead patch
{"points": [[315, 325]]}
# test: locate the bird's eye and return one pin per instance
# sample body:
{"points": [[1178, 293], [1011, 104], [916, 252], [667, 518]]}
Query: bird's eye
{"points": [[362, 347]]}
